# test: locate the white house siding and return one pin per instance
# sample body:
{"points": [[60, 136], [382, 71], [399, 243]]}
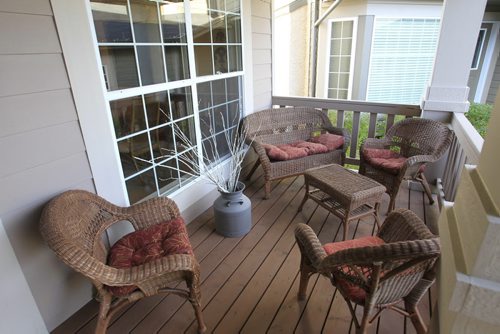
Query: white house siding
{"points": [[495, 84], [42, 149], [261, 55]]}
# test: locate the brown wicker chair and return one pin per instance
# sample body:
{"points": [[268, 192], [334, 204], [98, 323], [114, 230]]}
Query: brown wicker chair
{"points": [[73, 224], [418, 139], [284, 126], [400, 267]]}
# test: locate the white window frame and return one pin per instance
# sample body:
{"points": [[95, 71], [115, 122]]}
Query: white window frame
{"points": [[74, 23], [353, 54]]}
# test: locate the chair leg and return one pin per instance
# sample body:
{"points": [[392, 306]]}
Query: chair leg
{"points": [[195, 300], [425, 184], [364, 321], [254, 168], [305, 274], [267, 189], [103, 316], [392, 203], [416, 319]]}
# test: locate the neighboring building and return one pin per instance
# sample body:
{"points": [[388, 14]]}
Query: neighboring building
{"points": [[377, 50]]}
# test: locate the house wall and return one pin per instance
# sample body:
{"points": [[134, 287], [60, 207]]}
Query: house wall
{"points": [[495, 84], [475, 74], [366, 11], [42, 150], [261, 53]]}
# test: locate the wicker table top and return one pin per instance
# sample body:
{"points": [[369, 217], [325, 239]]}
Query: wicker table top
{"points": [[347, 187]]}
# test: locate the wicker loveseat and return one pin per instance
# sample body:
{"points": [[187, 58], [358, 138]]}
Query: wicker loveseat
{"points": [[279, 126]]}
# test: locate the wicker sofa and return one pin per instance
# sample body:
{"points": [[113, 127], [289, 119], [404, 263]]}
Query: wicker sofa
{"points": [[280, 126]]}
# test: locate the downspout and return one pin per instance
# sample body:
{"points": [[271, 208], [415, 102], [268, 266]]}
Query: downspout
{"points": [[313, 47]]}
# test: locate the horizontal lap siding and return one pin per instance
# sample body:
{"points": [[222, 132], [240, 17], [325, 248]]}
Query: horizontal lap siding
{"points": [[262, 53], [42, 149]]}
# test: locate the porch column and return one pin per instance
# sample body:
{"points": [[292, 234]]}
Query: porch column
{"points": [[469, 275], [448, 91]]}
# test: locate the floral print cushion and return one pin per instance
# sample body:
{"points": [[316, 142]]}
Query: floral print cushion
{"points": [[354, 292], [331, 141], [295, 150], [147, 245]]}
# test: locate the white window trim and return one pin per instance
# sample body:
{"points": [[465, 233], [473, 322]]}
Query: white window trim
{"points": [[74, 23], [353, 54]]}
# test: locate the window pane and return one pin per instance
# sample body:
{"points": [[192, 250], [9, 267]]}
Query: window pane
{"points": [[162, 141], [333, 80], [334, 64], [201, 25], [218, 27], [186, 127], [217, 4], [220, 59], [344, 81], [206, 123], [222, 147], [151, 65], [119, 67], [345, 63], [219, 91], [335, 47], [141, 186], [203, 60], [347, 28], [157, 109], [145, 18], [234, 113], [167, 176], [346, 46], [235, 62], [181, 102], [220, 118], [173, 24], [208, 150], [128, 116], [111, 21], [336, 29], [233, 88], [233, 6], [233, 29], [204, 95], [133, 152], [177, 62], [187, 161]]}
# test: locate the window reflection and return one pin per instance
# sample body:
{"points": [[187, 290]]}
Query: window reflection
{"points": [[111, 21], [145, 19], [119, 67]]}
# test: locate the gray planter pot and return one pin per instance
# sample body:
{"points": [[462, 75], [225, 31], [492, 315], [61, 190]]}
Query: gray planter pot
{"points": [[233, 213]]}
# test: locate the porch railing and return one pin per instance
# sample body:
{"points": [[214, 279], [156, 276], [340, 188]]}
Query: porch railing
{"points": [[378, 115], [465, 147]]}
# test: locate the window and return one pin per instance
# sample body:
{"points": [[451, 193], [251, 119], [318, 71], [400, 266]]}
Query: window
{"points": [[168, 65], [402, 57], [341, 59], [479, 49]]}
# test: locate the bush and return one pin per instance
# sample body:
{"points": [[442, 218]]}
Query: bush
{"points": [[479, 115]]}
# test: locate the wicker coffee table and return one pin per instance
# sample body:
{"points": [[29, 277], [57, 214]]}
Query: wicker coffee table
{"points": [[344, 193]]}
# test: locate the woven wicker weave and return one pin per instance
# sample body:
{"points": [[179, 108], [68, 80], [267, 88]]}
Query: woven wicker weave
{"points": [[421, 140], [284, 126], [73, 224], [400, 269]]}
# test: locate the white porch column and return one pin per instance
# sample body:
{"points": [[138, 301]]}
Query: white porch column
{"points": [[448, 91]]}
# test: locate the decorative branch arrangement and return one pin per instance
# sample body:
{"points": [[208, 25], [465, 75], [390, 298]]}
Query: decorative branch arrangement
{"points": [[197, 161]]}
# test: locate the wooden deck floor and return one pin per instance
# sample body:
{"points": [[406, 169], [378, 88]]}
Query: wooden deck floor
{"points": [[249, 284]]}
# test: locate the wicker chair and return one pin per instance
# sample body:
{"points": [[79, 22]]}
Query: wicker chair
{"points": [[73, 224], [419, 140], [284, 126], [375, 272]]}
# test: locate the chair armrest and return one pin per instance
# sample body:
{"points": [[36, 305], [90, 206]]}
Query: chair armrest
{"points": [[261, 153], [152, 212], [403, 225], [89, 266], [310, 246]]}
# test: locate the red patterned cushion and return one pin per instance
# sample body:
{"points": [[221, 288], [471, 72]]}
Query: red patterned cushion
{"points": [[147, 245], [331, 141], [312, 148], [354, 292], [293, 151], [275, 153], [387, 160]]}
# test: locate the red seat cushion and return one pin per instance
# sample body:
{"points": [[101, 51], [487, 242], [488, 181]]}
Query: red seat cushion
{"points": [[331, 141], [312, 148], [353, 291], [147, 245], [387, 160]]}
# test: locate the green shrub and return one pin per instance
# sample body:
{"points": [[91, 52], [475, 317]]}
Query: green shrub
{"points": [[479, 115]]}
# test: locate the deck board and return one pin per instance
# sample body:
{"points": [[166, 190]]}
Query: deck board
{"points": [[250, 284]]}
